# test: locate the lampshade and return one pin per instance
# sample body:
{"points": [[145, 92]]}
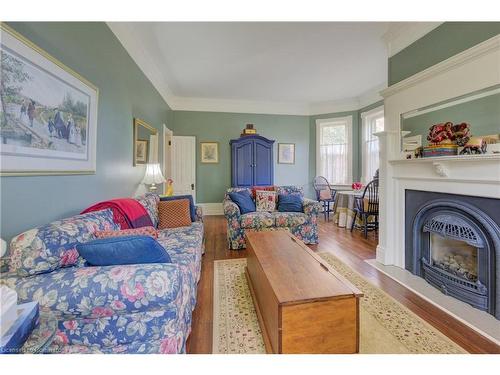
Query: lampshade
{"points": [[153, 175]]}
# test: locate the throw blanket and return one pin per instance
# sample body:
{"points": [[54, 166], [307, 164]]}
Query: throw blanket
{"points": [[127, 212]]}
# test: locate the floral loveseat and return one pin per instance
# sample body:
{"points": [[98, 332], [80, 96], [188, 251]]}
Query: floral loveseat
{"points": [[140, 308], [301, 224]]}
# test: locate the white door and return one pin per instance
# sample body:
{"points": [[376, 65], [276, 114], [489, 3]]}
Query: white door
{"points": [[184, 165]]}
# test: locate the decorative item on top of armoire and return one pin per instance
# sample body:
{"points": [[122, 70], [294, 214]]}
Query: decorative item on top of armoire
{"points": [[249, 130], [252, 161]]}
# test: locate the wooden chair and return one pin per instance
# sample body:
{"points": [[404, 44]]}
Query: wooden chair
{"points": [[367, 205], [325, 194]]}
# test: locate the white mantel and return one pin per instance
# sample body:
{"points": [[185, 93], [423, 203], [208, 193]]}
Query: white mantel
{"points": [[478, 175]]}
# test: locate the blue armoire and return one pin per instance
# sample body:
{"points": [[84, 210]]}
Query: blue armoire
{"points": [[252, 161]]}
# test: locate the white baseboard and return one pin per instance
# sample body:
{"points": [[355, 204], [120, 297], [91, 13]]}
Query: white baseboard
{"points": [[211, 209]]}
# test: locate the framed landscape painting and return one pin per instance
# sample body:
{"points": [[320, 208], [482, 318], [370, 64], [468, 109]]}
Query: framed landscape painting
{"points": [[286, 153], [209, 152], [48, 113]]}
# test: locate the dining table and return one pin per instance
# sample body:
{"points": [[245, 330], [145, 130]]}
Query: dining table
{"points": [[343, 212]]}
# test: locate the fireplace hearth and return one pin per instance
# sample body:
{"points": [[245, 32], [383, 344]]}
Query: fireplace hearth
{"points": [[453, 242]]}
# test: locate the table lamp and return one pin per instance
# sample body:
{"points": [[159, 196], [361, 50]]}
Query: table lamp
{"points": [[153, 176]]}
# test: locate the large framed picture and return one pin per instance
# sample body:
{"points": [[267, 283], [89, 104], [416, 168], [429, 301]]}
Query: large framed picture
{"points": [[48, 112], [209, 152], [286, 153]]}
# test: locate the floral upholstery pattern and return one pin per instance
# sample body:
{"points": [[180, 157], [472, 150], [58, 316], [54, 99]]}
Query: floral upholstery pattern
{"points": [[150, 203], [290, 190], [303, 225], [289, 219], [139, 308], [52, 246], [257, 220], [199, 214]]}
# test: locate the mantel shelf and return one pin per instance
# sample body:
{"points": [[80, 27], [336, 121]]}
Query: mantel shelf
{"points": [[441, 159]]}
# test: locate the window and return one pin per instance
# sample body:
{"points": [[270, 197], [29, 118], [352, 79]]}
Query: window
{"points": [[334, 150], [372, 122]]}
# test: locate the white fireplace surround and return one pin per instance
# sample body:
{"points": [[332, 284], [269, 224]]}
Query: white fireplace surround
{"points": [[476, 175]]}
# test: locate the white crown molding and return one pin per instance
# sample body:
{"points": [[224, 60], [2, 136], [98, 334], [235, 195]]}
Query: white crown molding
{"points": [[475, 52], [401, 34], [142, 58], [334, 106], [277, 108], [145, 62], [371, 96], [238, 106]]}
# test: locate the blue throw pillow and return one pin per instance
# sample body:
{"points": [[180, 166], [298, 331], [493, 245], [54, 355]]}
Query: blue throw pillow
{"points": [[123, 250], [243, 200], [290, 203], [192, 208]]}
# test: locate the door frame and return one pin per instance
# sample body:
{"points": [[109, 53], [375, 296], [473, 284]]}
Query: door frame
{"points": [[195, 160], [167, 135]]}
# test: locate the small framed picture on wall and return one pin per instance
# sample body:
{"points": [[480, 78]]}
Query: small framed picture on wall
{"points": [[209, 152], [141, 151], [286, 153]]}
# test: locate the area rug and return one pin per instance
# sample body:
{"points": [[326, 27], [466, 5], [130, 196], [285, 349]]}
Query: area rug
{"points": [[386, 326]]}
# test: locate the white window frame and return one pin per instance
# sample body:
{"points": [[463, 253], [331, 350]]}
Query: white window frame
{"points": [[348, 121], [365, 117]]}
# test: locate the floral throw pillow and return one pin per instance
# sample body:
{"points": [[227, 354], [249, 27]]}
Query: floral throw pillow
{"points": [[265, 200]]}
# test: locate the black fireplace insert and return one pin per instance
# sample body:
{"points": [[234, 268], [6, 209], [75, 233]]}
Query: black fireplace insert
{"points": [[453, 242]]}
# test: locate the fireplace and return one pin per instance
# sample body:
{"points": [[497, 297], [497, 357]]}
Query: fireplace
{"points": [[453, 242]]}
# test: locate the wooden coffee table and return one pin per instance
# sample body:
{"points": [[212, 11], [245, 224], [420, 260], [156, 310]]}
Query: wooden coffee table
{"points": [[303, 304]]}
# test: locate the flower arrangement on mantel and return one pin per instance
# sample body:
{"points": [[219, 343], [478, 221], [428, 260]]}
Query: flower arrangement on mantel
{"points": [[446, 138]]}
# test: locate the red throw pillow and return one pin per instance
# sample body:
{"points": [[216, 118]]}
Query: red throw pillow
{"points": [[144, 231], [264, 188], [173, 214]]}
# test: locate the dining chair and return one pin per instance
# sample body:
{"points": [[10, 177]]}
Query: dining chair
{"points": [[365, 206], [325, 194]]}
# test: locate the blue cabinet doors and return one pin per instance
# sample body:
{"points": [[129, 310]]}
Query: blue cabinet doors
{"points": [[252, 161]]}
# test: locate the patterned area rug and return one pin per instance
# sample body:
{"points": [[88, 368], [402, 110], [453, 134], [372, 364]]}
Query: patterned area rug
{"points": [[386, 325]]}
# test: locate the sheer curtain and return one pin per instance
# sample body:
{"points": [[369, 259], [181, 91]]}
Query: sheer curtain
{"points": [[334, 150], [372, 122], [334, 163]]}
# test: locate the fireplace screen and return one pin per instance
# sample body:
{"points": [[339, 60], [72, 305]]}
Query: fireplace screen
{"points": [[454, 256]]}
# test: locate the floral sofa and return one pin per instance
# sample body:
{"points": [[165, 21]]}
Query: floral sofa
{"points": [[301, 224], [140, 308]]}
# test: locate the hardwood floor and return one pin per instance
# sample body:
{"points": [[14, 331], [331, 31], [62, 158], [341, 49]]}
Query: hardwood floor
{"points": [[351, 248]]}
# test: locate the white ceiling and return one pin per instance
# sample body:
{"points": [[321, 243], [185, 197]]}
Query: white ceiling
{"points": [[256, 67]]}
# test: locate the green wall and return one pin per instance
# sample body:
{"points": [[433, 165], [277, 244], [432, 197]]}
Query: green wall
{"points": [[212, 180], [482, 114], [441, 43], [92, 50]]}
